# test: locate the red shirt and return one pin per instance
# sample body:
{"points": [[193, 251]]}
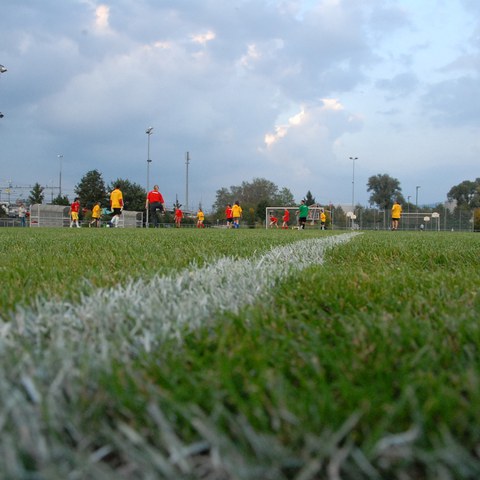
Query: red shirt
{"points": [[178, 213], [155, 197], [286, 216], [274, 219], [75, 207], [228, 212]]}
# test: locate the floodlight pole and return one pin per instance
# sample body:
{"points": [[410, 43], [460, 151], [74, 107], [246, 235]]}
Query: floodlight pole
{"points": [[408, 206], [187, 163], [60, 157], [2, 70], [353, 188], [416, 205], [148, 131]]}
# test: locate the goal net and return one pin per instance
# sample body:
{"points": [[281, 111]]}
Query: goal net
{"points": [[313, 218], [420, 221]]}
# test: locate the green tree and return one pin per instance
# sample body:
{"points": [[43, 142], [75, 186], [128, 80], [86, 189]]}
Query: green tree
{"points": [[36, 194], [309, 198], [257, 194], [284, 198], [466, 194], [134, 195], [91, 189], [61, 200], [385, 189]]}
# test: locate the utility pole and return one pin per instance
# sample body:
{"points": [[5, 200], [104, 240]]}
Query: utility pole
{"points": [[187, 163]]}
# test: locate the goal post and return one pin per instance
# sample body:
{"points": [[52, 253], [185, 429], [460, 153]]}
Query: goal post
{"points": [[314, 212], [420, 221]]}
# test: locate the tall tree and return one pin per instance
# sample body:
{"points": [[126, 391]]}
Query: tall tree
{"points": [[385, 189], [36, 194], [61, 200], [466, 194], [91, 189], [134, 195], [309, 198], [256, 194]]}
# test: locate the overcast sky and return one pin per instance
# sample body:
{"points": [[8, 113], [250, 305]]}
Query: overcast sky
{"points": [[286, 90]]}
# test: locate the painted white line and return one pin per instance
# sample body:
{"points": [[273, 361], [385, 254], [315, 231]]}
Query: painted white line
{"points": [[142, 314]]}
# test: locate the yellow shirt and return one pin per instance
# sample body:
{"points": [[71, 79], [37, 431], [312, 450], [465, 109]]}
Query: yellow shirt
{"points": [[323, 217], [96, 212], [396, 210], [116, 199], [236, 211], [201, 216]]}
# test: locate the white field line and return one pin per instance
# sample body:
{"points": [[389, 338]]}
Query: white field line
{"points": [[142, 314]]}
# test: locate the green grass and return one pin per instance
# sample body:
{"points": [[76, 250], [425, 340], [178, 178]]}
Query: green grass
{"points": [[65, 263], [365, 367]]}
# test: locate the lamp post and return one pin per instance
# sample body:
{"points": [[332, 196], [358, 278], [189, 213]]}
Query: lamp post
{"points": [[353, 188], [408, 206], [60, 157], [148, 131], [416, 205], [187, 163], [2, 70]]}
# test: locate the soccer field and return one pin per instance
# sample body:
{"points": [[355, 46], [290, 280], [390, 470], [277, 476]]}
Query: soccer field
{"points": [[247, 354]]}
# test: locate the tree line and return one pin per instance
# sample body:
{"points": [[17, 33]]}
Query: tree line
{"points": [[254, 196]]}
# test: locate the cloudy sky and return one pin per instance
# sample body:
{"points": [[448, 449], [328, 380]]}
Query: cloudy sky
{"points": [[286, 90]]}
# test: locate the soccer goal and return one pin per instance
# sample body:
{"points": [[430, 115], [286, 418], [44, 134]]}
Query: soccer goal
{"points": [[420, 221], [313, 218]]}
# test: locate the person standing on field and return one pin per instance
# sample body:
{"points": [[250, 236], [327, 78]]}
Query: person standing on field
{"points": [[236, 214], [74, 213], [178, 217], [200, 218], [285, 219], [116, 205], [229, 215], [396, 214], [96, 214], [323, 220], [153, 203], [22, 215], [302, 214]]}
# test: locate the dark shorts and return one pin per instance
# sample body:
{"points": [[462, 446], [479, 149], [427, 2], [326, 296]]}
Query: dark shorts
{"points": [[156, 206], [302, 219], [117, 211], [230, 219], [395, 219]]}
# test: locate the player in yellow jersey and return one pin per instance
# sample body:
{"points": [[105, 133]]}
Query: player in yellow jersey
{"points": [[396, 214], [116, 205], [200, 218]]}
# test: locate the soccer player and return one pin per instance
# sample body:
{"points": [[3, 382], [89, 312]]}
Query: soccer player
{"points": [[285, 219], [178, 217], [273, 221], [116, 205], [323, 220], [74, 212], [229, 215], [236, 214], [22, 215], [96, 214], [153, 203], [302, 214], [396, 214], [200, 218]]}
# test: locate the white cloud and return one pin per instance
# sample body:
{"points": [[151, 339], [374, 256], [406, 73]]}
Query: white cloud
{"points": [[279, 89], [102, 15], [203, 38]]}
